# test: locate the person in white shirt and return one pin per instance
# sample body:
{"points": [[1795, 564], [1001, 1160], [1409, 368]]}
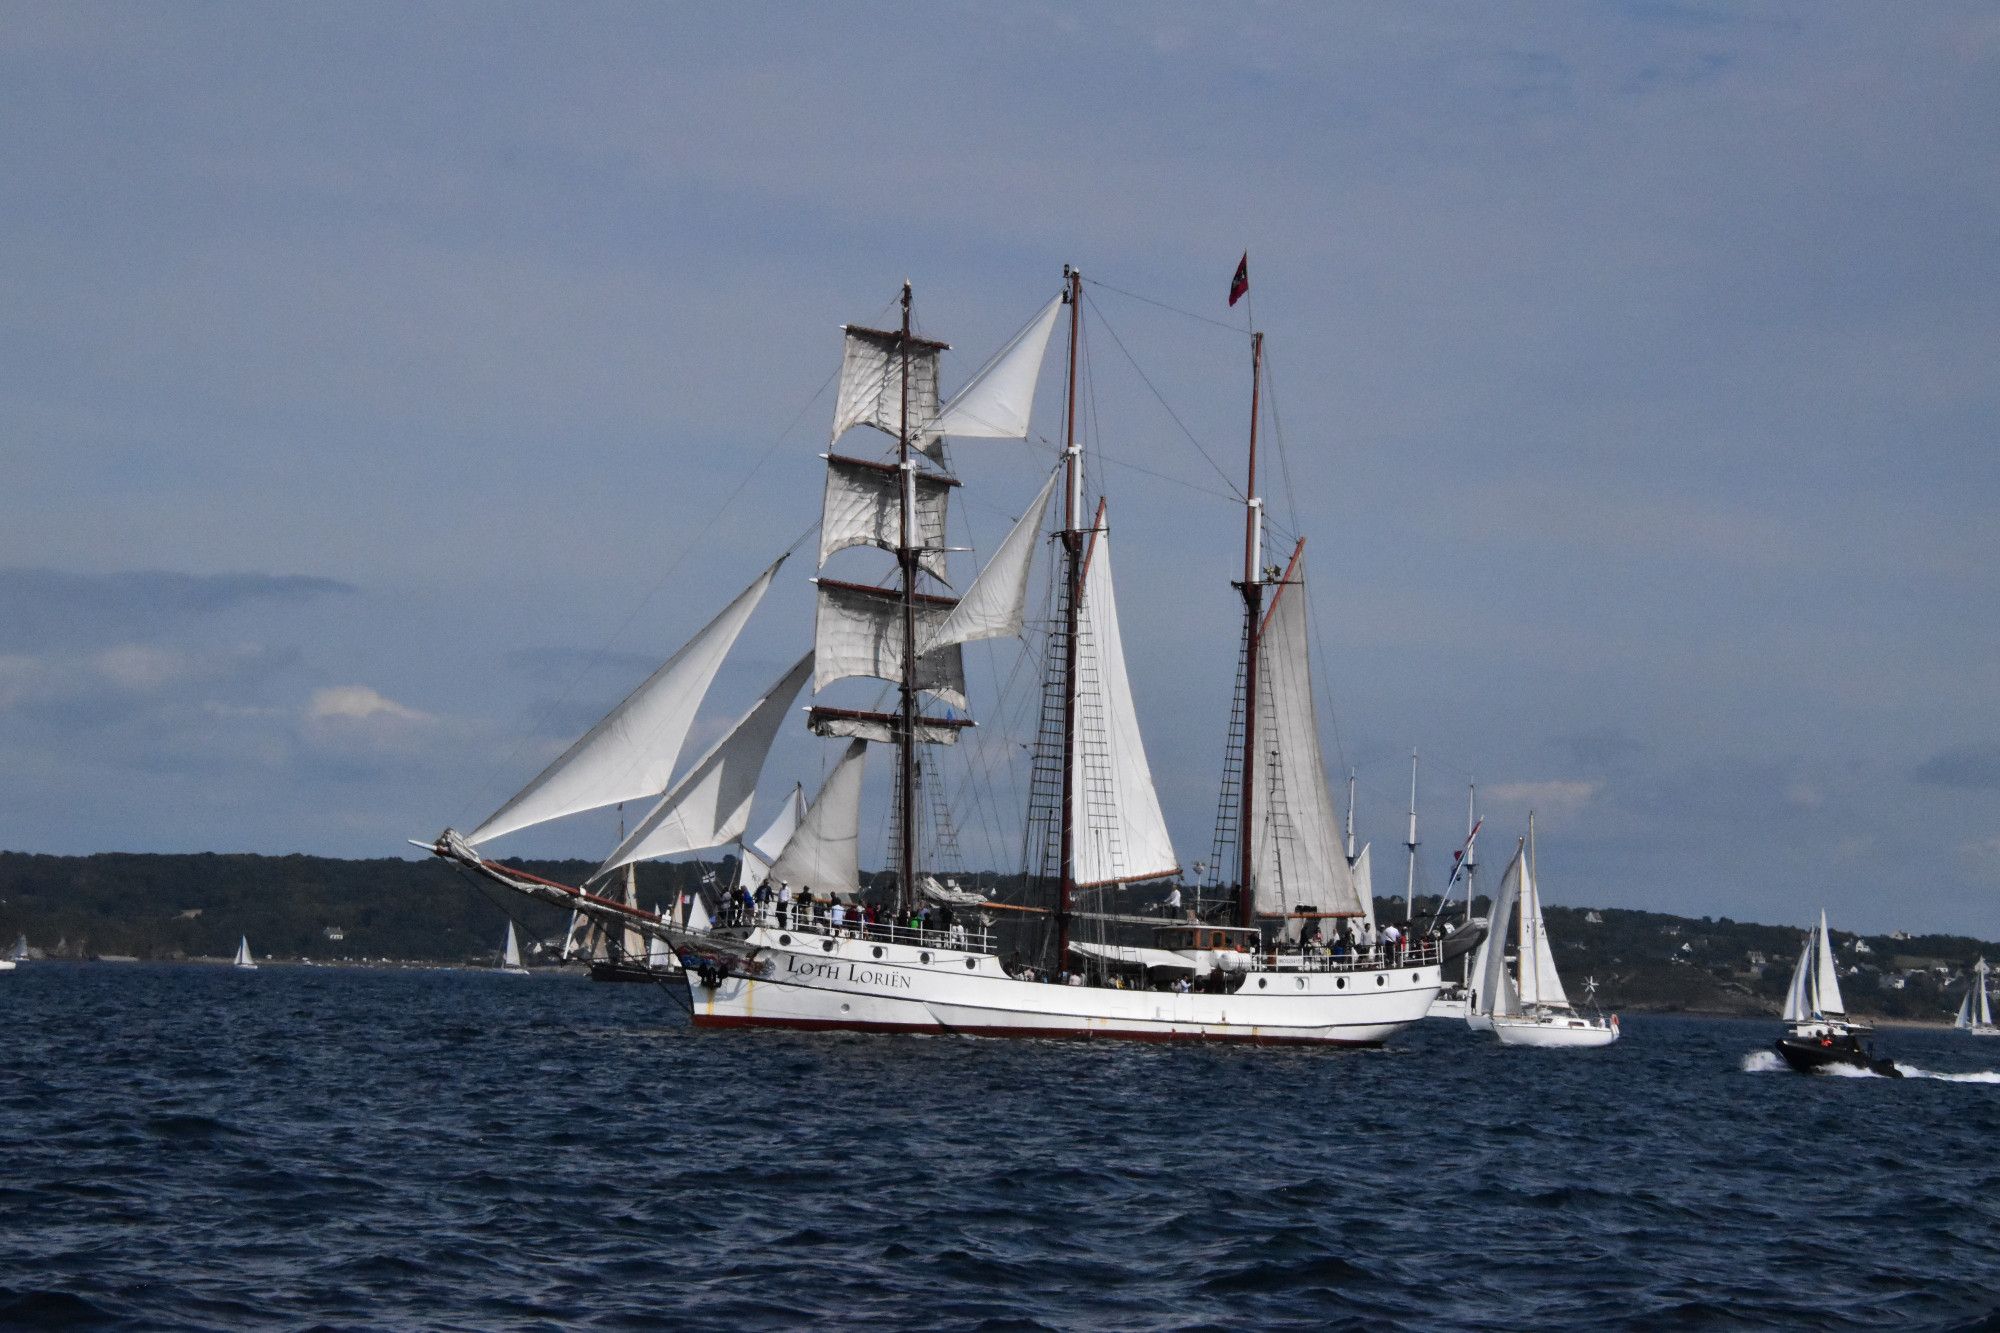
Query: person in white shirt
{"points": [[839, 915]]}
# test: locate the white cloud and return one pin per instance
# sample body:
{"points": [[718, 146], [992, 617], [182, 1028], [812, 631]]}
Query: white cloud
{"points": [[1553, 798], [358, 703]]}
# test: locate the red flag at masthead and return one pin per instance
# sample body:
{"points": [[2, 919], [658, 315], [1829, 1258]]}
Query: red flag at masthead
{"points": [[1241, 282]]}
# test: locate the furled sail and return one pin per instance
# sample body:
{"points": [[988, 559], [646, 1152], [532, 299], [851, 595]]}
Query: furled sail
{"points": [[995, 403], [871, 384], [1496, 992], [631, 753], [1826, 981], [1798, 996], [1120, 834], [823, 854], [884, 728], [864, 507], [859, 632], [1539, 982], [1297, 860], [994, 606], [710, 805]]}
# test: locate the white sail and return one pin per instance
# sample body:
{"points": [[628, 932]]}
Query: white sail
{"points": [[631, 753], [996, 402], [1985, 1015], [858, 631], [510, 956], [698, 919], [243, 958], [710, 805], [771, 842], [657, 953], [872, 389], [1536, 962], [1964, 1019], [1120, 833], [882, 728], [1826, 981], [864, 507], [1297, 857], [1494, 990], [994, 606], [1798, 996], [1364, 883], [823, 853]]}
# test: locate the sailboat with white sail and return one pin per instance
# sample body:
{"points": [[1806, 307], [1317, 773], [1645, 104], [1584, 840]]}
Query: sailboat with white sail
{"points": [[1819, 1034], [510, 954], [1530, 1007], [1975, 1011], [243, 959], [1095, 821]]}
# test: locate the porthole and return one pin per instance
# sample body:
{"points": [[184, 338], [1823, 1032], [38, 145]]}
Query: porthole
{"points": [[1415, 977], [826, 945], [878, 951], [1381, 981], [924, 956], [1340, 983], [971, 963], [784, 939], [844, 1008], [1261, 983], [1301, 982]]}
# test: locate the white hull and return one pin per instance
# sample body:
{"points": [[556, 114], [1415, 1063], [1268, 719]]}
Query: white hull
{"points": [[1448, 1006], [807, 980], [6, 965], [1554, 1030], [1479, 1022], [1980, 1030]]}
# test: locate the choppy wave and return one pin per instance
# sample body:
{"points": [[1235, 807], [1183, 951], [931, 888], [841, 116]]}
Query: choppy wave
{"points": [[190, 1148]]}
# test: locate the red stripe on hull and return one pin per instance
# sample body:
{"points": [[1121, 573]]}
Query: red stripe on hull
{"points": [[1054, 1034]]}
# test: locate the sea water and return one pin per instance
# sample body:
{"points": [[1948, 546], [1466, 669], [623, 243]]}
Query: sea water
{"points": [[195, 1147]]}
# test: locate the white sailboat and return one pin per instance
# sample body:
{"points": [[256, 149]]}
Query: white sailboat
{"points": [[510, 954], [1975, 1011], [1095, 820], [243, 958], [1818, 1032], [1530, 1007]]}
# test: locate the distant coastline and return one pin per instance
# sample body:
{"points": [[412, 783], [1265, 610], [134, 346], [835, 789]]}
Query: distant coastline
{"points": [[418, 913]]}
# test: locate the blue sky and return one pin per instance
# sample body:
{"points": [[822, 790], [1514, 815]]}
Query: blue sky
{"points": [[384, 389]]}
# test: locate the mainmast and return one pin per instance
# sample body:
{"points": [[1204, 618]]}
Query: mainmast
{"points": [[906, 558], [1253, 609], [1072, 540], [1471, 842]]}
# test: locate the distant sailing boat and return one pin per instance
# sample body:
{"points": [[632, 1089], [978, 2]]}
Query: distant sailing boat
{"points": [[243, 959], [1820, 1034], [1095, 821], [1531, 1008], [510, 956], [1975, 1011], [18, 954]]}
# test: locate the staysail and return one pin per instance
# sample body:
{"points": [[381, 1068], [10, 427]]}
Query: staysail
{"points": [[710, 805], [631, 753], [1496, 991], [1364, 883], [1297, 858], [823, 853], [1798, 996], [995, 402], [1120, 834]]}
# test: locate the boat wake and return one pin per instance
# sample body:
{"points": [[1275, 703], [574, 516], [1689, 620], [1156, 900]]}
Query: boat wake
{"points": [[1767, 1062], [1976, 1076]]}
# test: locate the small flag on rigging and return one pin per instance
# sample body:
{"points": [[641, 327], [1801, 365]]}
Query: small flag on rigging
{"points": [[1241, 282]]}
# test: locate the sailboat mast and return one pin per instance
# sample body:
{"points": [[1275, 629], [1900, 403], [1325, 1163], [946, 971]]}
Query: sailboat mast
{"points": [[1072, 541], [1410, 877], [906, 557], [1471, 843], [1253, 609]]}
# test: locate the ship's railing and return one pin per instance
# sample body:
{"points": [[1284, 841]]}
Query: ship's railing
{"points": [[970, 939], [1419, 953]]}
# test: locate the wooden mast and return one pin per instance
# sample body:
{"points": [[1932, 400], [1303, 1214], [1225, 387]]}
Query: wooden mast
{"points": [[906, 556], [1253, 610], [1072, 541]]}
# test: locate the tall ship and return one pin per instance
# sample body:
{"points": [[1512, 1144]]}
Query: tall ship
{"points": [[1058, 951]]}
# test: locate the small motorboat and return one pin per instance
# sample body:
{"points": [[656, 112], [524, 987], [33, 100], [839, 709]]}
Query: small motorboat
{"points": [[1808, 1052]]}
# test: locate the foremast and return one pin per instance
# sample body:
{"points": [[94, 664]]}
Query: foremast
{"points": [[1072, 544], [1252, 588], [906, 561]]}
